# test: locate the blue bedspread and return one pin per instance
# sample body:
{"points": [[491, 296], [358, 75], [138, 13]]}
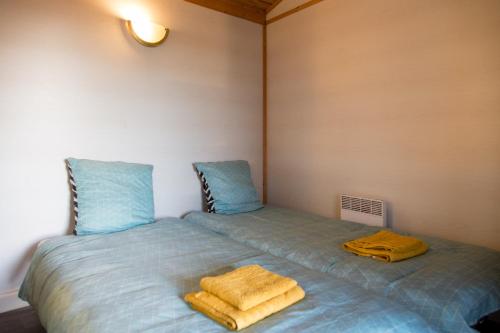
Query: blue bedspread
{"points": [[134, 281], [452, 285]]}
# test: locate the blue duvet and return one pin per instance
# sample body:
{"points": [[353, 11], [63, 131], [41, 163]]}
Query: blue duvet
{"points": [[453, 285], [135, 280]]}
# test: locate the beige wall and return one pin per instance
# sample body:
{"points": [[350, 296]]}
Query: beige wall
{"points": [[73, 83], [398, 100]]}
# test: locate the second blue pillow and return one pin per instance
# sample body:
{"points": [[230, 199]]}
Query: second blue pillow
{"points": [[228, 187]]}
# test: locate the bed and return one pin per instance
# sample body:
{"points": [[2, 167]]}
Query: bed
{"points": [[452, 286], [134, 281]]}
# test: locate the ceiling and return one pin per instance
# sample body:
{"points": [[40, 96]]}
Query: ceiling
{"points": [[252, 10]]}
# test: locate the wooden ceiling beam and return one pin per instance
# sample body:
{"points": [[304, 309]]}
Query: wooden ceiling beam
{"points": [[273, 5], [293, 11], [235, 8], [261, 4]]}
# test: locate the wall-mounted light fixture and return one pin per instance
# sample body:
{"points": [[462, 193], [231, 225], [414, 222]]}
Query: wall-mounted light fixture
{"points": [[147, 33]]}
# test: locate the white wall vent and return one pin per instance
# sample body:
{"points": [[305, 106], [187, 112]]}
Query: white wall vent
{"points": [[362, 210]]}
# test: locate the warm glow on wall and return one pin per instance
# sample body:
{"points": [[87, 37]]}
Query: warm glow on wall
{"points": [[141, 28]]}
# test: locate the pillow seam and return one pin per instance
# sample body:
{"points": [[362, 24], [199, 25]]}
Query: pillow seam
{"points": [[208, 193], [75, 194]]}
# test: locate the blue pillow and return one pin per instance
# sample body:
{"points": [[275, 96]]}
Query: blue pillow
{"points": [[110, 196], [228, 187]]}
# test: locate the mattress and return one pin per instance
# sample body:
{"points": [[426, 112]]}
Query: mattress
{"points": [[135, 280], [452, 286]]}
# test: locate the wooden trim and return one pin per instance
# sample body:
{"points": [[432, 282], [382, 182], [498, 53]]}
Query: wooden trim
{"points": [[292, 11], [273, 6], [264, 114], [234, 8]]}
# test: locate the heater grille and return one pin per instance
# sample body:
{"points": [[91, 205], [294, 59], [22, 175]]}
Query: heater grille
{"points": [[363, 210]]}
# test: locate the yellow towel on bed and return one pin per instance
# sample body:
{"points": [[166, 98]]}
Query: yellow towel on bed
{"points": [[387, 246], [235, 319], [247, 286]]}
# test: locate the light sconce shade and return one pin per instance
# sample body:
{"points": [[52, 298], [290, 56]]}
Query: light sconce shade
{"points": [[147, 33]]}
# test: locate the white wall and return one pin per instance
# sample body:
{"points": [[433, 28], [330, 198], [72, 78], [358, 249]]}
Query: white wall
{"points": [[398, 100], [74, 83]]}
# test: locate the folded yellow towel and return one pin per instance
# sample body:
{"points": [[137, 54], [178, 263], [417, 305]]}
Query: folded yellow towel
{"points": [[387, 246], [247, 286], [235, 319]]}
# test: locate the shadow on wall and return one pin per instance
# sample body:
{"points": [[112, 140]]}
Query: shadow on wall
{"points": [[204, 206], [22, 265], [389, 215]]}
